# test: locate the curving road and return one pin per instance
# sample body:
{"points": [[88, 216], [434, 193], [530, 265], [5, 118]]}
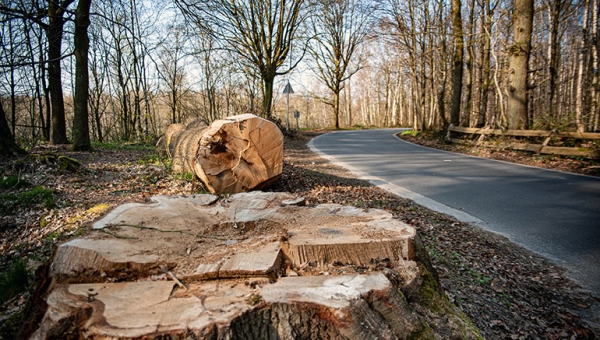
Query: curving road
{"points": [[552, 213]]}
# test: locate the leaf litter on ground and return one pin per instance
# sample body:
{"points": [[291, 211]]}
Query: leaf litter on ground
{"points": [[507, 291]]}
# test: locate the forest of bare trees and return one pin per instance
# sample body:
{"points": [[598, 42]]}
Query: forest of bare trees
{"points": [[424, 64]]}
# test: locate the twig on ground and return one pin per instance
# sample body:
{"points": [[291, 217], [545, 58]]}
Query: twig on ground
{"points": [[117, 235], [139, 226], [179, 283]]}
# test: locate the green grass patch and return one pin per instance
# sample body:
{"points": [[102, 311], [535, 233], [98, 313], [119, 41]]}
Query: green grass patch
{"points": [[480, 278], [410, 133], [27, 198], [9, 329], [186, 176], [37, 195], [13, 182], [14, 280], [152, 159], [359, 204], [122, 146]]}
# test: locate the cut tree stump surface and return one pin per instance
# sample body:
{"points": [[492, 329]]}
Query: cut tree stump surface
{"points": [[232, 260]]}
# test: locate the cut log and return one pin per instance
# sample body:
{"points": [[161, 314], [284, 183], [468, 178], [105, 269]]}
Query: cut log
{"points": [[185, 145], [235, 154], [239, 154], [171, 130], [180, 143]]}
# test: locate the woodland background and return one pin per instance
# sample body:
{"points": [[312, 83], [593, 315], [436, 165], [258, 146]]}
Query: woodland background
{"points": [[418, 63]]}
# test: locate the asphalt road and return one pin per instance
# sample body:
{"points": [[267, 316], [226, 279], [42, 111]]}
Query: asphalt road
{"points": [[554, 214]]}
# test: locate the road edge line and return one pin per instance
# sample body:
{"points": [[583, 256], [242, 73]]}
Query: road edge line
{"points": [[403, 192]]}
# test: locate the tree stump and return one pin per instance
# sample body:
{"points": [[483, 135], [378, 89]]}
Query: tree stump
{"points": [[238, 154], [202, 268]]}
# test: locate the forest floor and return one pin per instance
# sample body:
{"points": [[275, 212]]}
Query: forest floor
{"points": [[508, 292]]}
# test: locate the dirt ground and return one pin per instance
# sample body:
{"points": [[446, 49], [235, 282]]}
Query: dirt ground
{"points": [[508, 292]]}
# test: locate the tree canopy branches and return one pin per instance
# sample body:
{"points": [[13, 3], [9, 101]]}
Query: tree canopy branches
{"points": [[259, 32]]}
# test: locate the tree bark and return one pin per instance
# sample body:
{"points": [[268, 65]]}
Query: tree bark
{"points": [[553, 54], [55, 34], [336, 109], [268, 82], [469, 101], [486, 55], [7, 140], [595, 81], [519, 65], [81, 130], [457, 71]]}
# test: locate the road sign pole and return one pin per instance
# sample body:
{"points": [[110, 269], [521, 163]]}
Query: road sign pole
{"points": [[287, 112], [287, 90]]}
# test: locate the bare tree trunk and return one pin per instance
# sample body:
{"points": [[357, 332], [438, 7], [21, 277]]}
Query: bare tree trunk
{"points": [[36, 79], [55, 34], [553, 54], [580, 70], [594, 88], [81, 130], [457, 71], [46, 94], [444, 71], [267, 83], [470, 60], [348, 102], [519, 65], [13, 84], [485, 81], [336, 109], [7, 140]]}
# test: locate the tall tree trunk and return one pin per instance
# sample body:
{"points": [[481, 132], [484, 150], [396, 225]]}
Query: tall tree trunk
{"points": [[470, 60], [486, 55], [519, 65], [55, 35], [268, 83], [348, 102], [13, 84], [7, 140], [553, 54], [580, 70], [81, 130], [594, 105], [457, 71], [336, 109], [444, 70], [36, 79], [46, 90]]}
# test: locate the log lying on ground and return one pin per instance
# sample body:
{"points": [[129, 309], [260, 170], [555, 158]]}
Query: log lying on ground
{"points": [[239, 154], [162, 146], [180, 143], [235, 154]]}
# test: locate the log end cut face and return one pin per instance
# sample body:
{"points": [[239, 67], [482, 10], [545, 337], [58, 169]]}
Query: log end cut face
{"points": [[239, 153]]}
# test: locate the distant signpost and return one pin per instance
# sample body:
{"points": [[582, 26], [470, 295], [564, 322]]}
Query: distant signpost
{"points": [[287, 90], [297, 116]]}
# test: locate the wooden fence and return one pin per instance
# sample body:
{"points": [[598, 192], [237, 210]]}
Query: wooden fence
{"points": [[513, 142]]}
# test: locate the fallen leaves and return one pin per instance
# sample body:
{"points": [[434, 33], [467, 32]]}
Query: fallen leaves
{"points": [[508, 292]]}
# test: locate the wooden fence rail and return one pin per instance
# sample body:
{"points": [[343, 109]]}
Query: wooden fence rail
{"points": [[543, 148]]}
